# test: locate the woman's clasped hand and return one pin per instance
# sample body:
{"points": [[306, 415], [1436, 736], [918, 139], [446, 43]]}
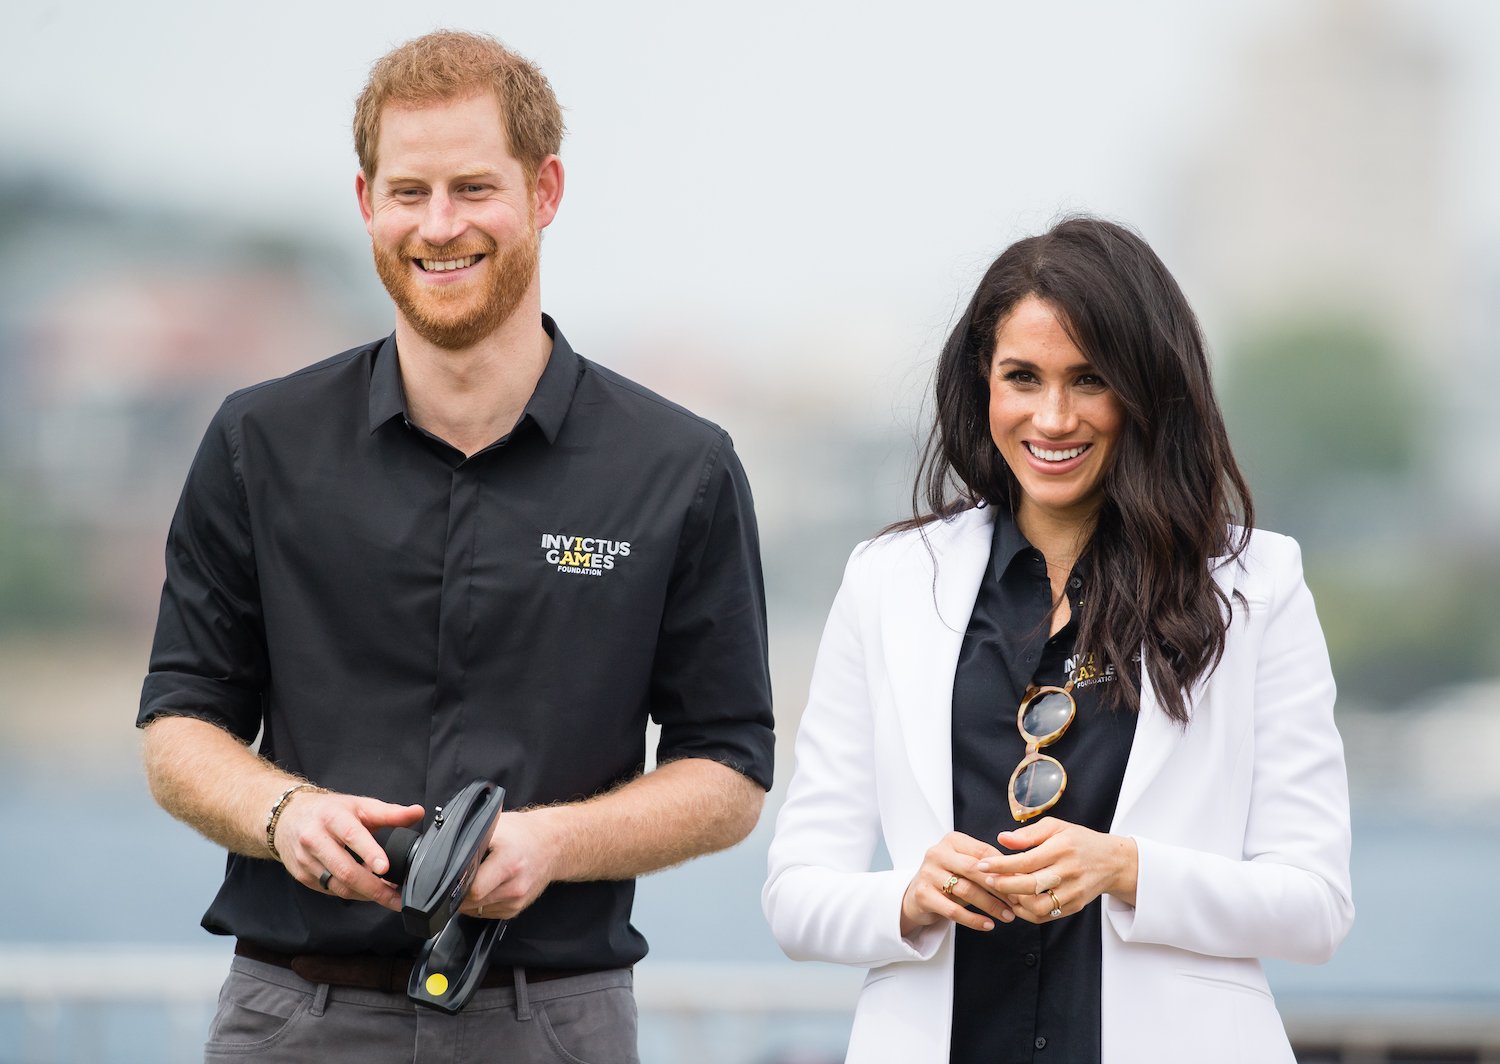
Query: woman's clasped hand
{"points": [[1055, 867], [949, 883]]}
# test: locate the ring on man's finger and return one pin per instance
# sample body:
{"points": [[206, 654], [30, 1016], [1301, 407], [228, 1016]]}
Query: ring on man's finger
{"points": [[1056, 905], [325, 879], [948, 886]]}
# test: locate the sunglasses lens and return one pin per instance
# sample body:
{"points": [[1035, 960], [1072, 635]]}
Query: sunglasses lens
{"points": [[1046, 715], [1039, 783]]}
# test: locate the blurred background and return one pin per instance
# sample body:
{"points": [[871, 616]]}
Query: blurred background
{"points": [[774, 213]]}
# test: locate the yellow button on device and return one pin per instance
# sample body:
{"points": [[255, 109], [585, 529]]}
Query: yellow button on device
{"points": [[437, 984]]}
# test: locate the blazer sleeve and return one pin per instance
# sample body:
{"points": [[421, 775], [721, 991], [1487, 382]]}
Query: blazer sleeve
{"points": [[1289, 894], [821, 898]]}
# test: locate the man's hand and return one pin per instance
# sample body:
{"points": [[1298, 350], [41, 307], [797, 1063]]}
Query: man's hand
{"points": [[674, 813], [211, 780], [521, 863], [326, 832]]}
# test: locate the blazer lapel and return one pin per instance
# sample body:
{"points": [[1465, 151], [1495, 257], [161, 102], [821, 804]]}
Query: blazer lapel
{"points": [[922, 628], [1156, 734]]}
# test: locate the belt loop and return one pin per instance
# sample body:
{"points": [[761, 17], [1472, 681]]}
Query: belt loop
{"points": [[523, 1003], [320, 1000]]}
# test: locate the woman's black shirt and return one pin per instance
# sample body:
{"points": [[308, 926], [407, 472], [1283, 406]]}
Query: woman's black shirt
{"points": [[1025, 993]]}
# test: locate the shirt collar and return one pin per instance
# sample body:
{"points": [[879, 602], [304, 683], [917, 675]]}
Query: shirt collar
{"points": [[387, 400], [547, 408], [1007, 544], [549, 403]]}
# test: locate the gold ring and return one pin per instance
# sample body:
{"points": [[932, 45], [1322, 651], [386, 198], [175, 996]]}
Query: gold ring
{"points": [[1056, 906], [948, 886], [481, 912]]}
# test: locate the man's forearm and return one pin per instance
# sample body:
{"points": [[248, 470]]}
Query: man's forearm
{"points": [[679, 811], [211, 781]]}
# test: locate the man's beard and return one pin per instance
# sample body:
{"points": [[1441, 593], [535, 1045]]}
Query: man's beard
{"points": [[456, 317]]}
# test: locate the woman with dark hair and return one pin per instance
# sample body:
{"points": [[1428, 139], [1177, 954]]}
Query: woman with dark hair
{"points": [[1087, 711]]}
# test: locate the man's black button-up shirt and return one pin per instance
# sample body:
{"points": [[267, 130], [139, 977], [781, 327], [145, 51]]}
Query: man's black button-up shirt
{"points": [[394, 619]]}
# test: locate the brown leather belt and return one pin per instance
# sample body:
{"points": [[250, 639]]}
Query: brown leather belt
{"points": [[372, 971]]}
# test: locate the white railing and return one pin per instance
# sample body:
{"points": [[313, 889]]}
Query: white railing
{"points": [[68, 1005], [66, 1002]]}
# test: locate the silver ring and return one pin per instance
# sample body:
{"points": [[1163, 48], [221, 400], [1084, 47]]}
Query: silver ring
{"points": [[325, 879], [1056, 906]]}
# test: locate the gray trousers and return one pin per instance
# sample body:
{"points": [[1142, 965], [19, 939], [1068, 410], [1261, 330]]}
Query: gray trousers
{"points": [[270, 1015]]}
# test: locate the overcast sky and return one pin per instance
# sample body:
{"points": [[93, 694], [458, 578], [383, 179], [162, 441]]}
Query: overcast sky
{"points": [[837, 167]]}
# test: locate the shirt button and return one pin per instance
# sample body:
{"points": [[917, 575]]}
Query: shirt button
{"points": [[1040, 1043], [1031, 960], [1075, 583]]}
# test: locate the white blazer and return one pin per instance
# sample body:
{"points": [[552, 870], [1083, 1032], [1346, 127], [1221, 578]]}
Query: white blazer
{"points": [[1241, 819]]}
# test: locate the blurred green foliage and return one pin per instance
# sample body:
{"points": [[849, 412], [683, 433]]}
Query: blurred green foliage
{"points": [[1393, 641], [42, 584], [1315, 403], [1324, 423]]}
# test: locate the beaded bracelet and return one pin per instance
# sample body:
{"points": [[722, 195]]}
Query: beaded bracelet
{"points": [[276, 811]]}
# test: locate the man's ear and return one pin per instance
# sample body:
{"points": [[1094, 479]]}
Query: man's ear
{"points": [[548, 191], [366, 204]]}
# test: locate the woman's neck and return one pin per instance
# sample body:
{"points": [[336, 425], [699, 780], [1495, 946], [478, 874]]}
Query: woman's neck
{"points": [[1060, 538], [1061, 541]]}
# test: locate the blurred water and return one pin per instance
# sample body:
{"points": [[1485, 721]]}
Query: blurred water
{"points": [[90, 859]]}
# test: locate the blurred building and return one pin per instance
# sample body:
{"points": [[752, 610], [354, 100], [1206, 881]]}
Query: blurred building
{"points": [[1330, 191], [112, 367], [1329, 182]]}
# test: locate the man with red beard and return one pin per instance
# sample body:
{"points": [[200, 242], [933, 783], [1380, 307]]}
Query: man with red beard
{"points": [[459, 552]]}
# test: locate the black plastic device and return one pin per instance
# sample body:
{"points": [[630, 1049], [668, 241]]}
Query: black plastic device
{"points": [[434, 868]]}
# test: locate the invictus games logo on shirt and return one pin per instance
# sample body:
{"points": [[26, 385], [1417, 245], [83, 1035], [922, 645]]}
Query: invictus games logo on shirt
{"points": [[1086, 672], [583, 555]]}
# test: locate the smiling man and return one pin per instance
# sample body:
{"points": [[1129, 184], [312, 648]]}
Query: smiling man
{"points": [[462, 551]]}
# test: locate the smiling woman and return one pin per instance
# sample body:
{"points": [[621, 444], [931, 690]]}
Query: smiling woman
{"points": [[1053, 418], [1110, 898]]}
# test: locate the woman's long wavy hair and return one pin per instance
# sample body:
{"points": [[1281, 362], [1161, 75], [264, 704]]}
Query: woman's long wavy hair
{"points": [[1174, 498]]}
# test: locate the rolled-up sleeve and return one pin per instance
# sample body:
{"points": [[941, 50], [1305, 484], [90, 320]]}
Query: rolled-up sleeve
{"points": [[208, 659], [711, 686]]}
